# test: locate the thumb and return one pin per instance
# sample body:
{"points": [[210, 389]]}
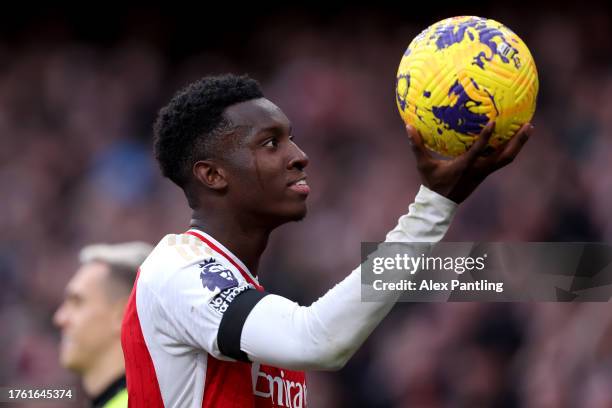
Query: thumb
{"points": [[418, 146]]}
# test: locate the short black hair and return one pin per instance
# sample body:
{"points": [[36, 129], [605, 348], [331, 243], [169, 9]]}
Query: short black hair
{"points": [[188, 128]]}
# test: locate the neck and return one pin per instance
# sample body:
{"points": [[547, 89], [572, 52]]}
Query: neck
{"points": [[108, 368], [246, 243]]}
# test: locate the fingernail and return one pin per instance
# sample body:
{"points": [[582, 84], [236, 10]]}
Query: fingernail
{"points": [[529, 130]]}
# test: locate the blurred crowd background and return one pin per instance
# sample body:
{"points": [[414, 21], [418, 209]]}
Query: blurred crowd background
{"points": [[78, 95]]}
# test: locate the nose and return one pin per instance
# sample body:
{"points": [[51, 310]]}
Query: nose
{"points": [[299, 159]]}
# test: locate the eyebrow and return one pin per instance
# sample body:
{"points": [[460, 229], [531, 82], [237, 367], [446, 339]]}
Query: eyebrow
{"points": [[275, 129]]}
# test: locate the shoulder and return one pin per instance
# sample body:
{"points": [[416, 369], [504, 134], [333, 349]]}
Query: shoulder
{"points": [[180, 250], [182, 262], [173, 253]]}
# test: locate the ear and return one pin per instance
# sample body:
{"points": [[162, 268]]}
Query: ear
{"points": [[210, 174]]}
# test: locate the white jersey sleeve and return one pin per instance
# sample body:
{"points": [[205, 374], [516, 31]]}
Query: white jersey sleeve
{"points": [[326, 334], [184, 288]]}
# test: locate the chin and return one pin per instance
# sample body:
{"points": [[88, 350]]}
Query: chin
{"points": [[283, 215], [297, 214], [300, 214]]}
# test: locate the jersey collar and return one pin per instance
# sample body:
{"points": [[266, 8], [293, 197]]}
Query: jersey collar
{"points": [[233, 259]]}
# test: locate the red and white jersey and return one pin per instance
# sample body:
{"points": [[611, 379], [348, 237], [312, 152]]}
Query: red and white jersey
{"points": [[170, 329]]}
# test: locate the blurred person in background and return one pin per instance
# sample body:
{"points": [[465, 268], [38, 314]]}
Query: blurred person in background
{"points": [[90, 319]]}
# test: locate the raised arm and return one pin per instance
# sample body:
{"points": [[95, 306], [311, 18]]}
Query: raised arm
{"points": [[274, 330]]}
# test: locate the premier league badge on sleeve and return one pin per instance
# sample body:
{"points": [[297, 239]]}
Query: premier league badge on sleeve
{"points": [[215, 276]]}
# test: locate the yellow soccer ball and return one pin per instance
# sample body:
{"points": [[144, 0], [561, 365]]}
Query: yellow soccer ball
{"points": [[461, 73]]}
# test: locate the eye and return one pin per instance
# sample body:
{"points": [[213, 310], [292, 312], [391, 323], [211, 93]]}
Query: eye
{"points": [[273, 142]]}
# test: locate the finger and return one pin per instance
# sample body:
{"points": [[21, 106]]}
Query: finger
{"points": [[509, 152], [421, 153], [481, 143]]}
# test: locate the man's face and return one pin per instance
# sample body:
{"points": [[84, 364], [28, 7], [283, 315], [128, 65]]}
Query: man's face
{"points": [[266, 177], [86, 318]]}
